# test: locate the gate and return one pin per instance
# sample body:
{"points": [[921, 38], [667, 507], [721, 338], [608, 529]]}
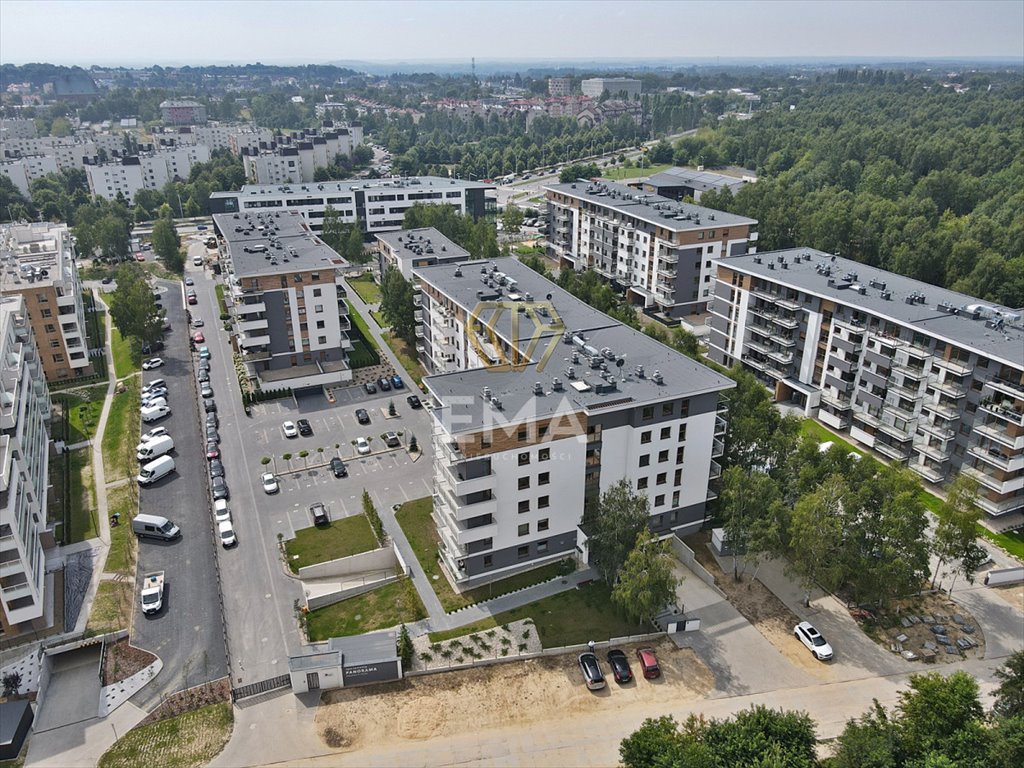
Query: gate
{"points": [[254, 689]]}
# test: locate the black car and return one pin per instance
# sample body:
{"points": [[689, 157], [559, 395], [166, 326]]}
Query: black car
{"points": [[362, 416], [370, 387], [220, 489], [619, 663], [320, 517], [414, 402], [204, 376], [338, 467], [384, 385], [212, 435], [216, 468], [156, 346], [304, 428], [212, 420], [210, 405]]}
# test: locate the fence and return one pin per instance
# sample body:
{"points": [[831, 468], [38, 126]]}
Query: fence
{"points": [[263, 686], [689, 559]]}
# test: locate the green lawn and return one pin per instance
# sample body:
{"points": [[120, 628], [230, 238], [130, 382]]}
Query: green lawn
{"points": [[219, 290], [568, 618], [122, 433], [367, 289], [112, 608], [618, 172], [189, 740], [364, 349], [123, 499], [378, 318], [83, 412], [126, 360], [406, 356], [414, 517], [1011, 541], [84, 524], [348, 536], [390, 605]]}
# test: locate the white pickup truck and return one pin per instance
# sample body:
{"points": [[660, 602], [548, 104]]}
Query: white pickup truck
{"points": [[152, 592]]}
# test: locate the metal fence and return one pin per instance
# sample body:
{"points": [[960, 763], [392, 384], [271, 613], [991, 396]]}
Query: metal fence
{"points": [[254, 689]]}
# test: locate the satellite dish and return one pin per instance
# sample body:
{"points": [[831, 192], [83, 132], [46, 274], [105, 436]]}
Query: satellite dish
{"points": [[549, 297], [620, 362]]}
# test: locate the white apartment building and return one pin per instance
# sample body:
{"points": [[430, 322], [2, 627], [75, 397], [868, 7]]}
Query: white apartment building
{"points": [[559, 86], [295, 159], [595, 86], [409, 249], [231, 137], [925, 376], [661, 252], [24, 458], [287, 299], [38, 261], [150, 170], [17, 128], [378, 205], [541, 403]]}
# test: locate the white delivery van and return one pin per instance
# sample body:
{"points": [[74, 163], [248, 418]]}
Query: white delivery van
{"points": [[155, 527], [197, 261], [153, 412], [155, 470], [155, 448]]}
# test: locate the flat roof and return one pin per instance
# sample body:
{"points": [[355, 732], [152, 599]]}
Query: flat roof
{"points": [[553, 327], [413, 183], [41, 250], [814, 269], [366, 649], [413, 244], [273, 242], [702, 180], [654, 209]]}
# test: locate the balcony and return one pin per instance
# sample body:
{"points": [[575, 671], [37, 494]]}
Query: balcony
{"points": [[417, 315], [989, 479], [994, 431], [1002, 506], [250, 327], [717, 449], [417, 299], [716, 471], [418, 331], [668, 257], [941, 432], [257, 307], [1003, 410], [783, 358], [892, 451], [1007, 463], [957, 367], [783, 340], [836, 403], [461, 533], [663, 272], [255, 355], [900, 434], [899, 411], [956, 391], [902, 391], [929, 473], [786, 321], [943, 410], [461, 486], [1008, 387], [721, 426], [932, 451]]}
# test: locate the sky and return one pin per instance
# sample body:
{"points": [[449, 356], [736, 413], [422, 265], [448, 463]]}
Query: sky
{"points": [[175, 32]]}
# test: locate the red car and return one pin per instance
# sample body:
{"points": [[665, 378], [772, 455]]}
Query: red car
{"points": [[140, 257], [648, 662], [198, 337]]}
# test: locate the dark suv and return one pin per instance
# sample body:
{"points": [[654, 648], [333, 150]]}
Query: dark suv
{"points": [[319, 512]]}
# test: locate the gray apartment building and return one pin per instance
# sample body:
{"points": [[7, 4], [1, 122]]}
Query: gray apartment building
{"points": [[923, 375], [409, 249]]}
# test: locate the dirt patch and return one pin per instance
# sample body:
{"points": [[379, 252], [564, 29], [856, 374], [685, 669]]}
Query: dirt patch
{"points": [[910, 625], [494, 696], [123, 660], [1013, 594]]}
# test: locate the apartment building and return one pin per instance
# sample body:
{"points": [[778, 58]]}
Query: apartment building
{"points": [[559, 86], [409, 249], [541, 403], [25, 412], [660, 251], [595, 86], [379, 205], [23, 171], [677, 183], [17, 128], [182, 112], [294, 159], [925, 376], [287, 300], [39, 263], [147, 170]]}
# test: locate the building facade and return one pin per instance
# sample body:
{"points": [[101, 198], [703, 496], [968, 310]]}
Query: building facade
{"points": [[147, 170], [25, 412], [409, 249], [294, 159], [287, 300], [595, 86], [559, 86], [925, 376], [677, 183], [542, 403], [182, 112], [660, 251], [40, 264]]}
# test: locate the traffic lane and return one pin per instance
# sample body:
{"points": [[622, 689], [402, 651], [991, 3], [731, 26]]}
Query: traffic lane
{"points": [[188, 634]]}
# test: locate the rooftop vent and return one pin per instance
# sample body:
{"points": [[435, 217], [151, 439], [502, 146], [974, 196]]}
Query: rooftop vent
{"points": [[657, 378], [757, 259], [639, 371], [538, 389], [556, 384], [458, 272], [570, 372], [886, 295], [496, 403], [487, 392], [862, 290], [877, 284], [771, 265]]}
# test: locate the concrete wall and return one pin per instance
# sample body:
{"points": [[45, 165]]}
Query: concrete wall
{"points": [[330, 598], [365, 562], [687, 557]]}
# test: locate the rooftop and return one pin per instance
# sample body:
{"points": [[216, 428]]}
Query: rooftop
{"points": [[169, 103], [417, 243], [34, 254], [366, 649], [953, 317], [700, 180], [348, 185], [581, 358], [654, 209], [273, 242]]}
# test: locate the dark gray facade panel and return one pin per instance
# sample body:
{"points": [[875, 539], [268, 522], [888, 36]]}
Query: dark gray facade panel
{"points": [[508, 557], [374, 672]]}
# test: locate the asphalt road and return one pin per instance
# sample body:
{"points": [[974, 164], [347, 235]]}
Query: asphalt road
{"points": [[188, 635]]}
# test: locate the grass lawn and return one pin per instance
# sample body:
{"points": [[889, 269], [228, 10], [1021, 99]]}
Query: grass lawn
{"points": [[368, 290], [112, 608], [83, 413], [378, 318], [122, 432], [1011, 541], [84, 524], [189, 740], [126, 360], [121, 556], [618, 172], [364, 349], [388, 606], [568, 618], [221, 306], [348, 536], [406, 356], [414, 517]]}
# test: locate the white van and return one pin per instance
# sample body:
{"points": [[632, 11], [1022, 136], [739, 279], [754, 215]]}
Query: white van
{"points": [[153, 412], [155, 470], [197, 261], [155, 448], [155, 527]]}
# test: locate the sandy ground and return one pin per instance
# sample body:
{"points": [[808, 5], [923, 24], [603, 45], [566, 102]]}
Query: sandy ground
{"points": [[1013, 594], [940, 608], [535, 691]]}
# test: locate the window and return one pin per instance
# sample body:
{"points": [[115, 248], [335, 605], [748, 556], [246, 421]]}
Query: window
{"points": [[524, 459], [678, 477], [543, 454], [524, 483], [645, 437], [317, 291], [524, 506], [641, 484], [58, 358], [321, 339], [659, 500], [662, 478], [684, 409], [645, 460], [543, 478], [318, 308], [542, 546], [524, 529], [542, 431], [45, 313], [543, 502], [523, 552], [488, 561], [522, 439], [666, 433], [667, 409], [320, 325], [485, 441], [675, 498], [662, 456], [682, 432], [54, 343], [648, 413], [51, 328]]}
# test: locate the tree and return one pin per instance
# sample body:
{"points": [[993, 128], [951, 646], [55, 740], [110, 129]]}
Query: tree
{"points": [[167, 244], [11, 683], [752, 510], [646, 582], [937, 713], [1009, 696], [396, 303], [405, 649], [613, 528], [111, 237], [659, 743], [758, 436], [132, 306], [334, 229], [816, 533], [355, 250], [512, 218], [578, 171], [870, 741], [955, 538]]}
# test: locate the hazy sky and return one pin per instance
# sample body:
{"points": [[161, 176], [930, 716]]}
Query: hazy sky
{"points": [[89, 32]]}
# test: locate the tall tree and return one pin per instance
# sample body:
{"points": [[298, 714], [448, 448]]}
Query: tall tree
{"points": [[397, 304], [746, 498], [955, 538], [167, 244], [620, 516], [133, 308], [646, 581], [758, 436], [1009, 696], [816, 533], [512, 218]]}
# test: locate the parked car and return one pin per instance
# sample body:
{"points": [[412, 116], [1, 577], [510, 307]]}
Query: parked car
{"points": [[227, 534], [189, 281], [206, 390], [153, 362], [212, 435], [813, 640], [212, 420], [289, 429], [156, 346], [220, 489], [362, 416], [216, 468], [221, 511], [591, 669], [204, 353], [362, 446], [270, 484], [414, 402], [203, 376], [154, 384], [210, 406], [204, 364], [304, 428], [338, 467], [212, 450], [391, 440], [154, 394], [370, 387], [197, 322], [107, 280], [319, 513], [648, 662], [192, 299], [198, 337], [384, 385], [154, 413], [396, 382], [153, 434], [151, 401], [619, 663]]}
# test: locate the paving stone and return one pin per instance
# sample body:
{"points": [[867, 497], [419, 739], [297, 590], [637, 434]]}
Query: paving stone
{"points": [[943, 640], [968, 628], [952, 650], [905, 622], [958, 619], [928, 619], [938, 629], [914, 619], [928, 645], [901, 638]]}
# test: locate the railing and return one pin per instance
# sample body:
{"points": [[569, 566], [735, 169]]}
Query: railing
{"points": [[1008, 386], [1003, 412]]}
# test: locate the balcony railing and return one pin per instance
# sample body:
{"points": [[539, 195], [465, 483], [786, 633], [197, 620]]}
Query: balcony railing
{"points": [[1002, 506], [956, 366], [892, 451], [1007, 387], [929, 473], [950, 414], [993, 431], [997, 459], [1003, 411]]}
